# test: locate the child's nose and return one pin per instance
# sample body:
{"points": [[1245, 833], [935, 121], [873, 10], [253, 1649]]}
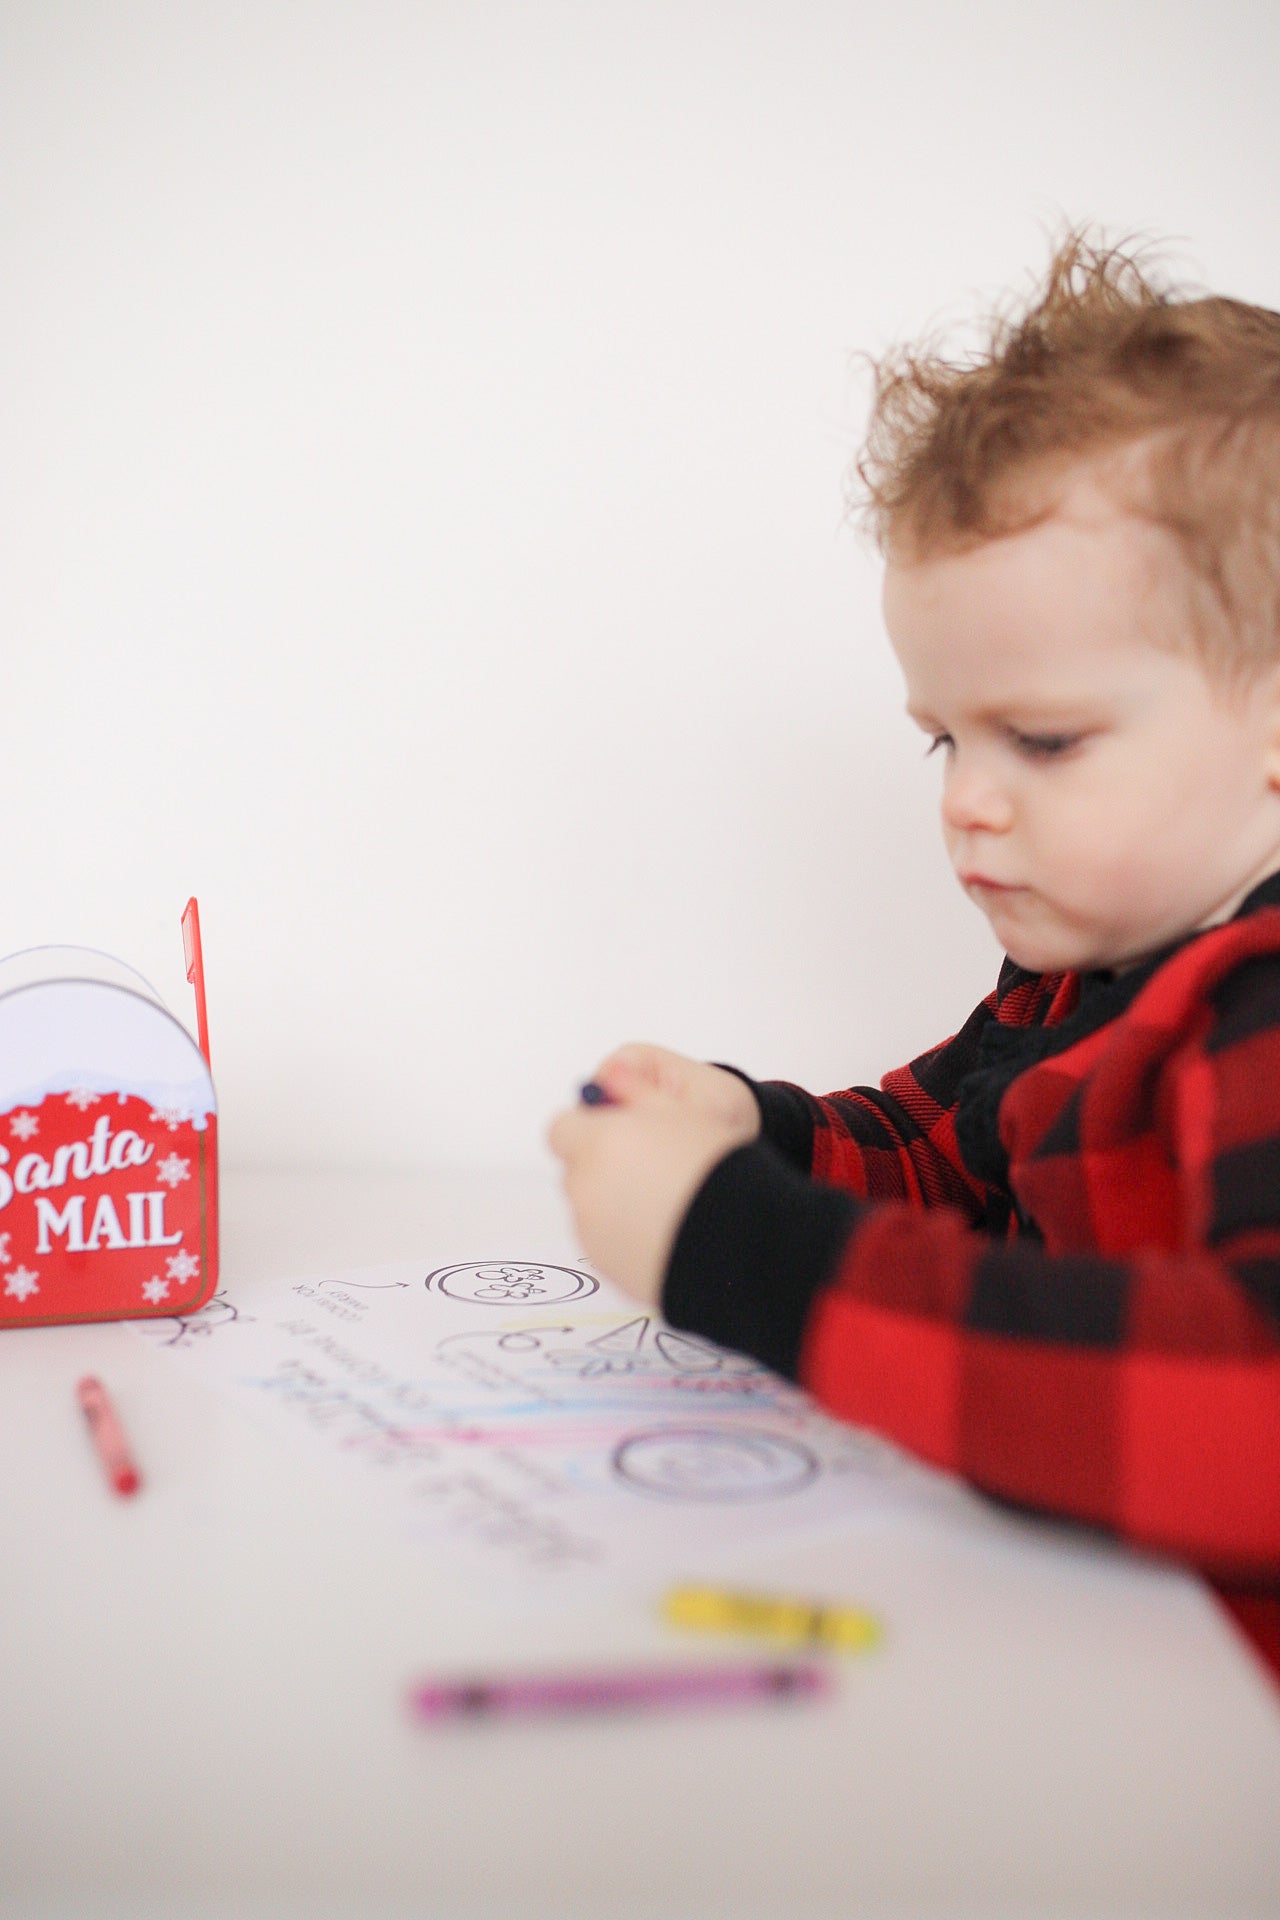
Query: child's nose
{"points": [[973, 800]]}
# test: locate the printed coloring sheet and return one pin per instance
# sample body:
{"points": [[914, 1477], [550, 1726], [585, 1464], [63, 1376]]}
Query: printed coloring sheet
{"points": [[534, 1422]]}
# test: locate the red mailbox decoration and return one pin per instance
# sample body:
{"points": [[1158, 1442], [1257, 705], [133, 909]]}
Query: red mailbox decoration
{"points": [[108, 1144]]}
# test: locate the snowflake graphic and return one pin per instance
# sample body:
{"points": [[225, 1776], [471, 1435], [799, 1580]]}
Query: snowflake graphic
{"points": [[21, 1283], [183, 1266], [5, 1255], [155, 1289], [172, 1170], [171, 1117], [82, 1098], [24, 1124]]}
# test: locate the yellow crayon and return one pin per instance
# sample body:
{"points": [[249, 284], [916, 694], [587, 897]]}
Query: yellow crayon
{"points": [[800, 1622]]}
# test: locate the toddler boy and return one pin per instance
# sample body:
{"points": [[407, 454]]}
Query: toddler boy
{"points": [[1045, 1255]]}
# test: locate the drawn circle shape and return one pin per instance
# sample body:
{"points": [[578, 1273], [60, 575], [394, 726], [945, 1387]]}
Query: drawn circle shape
{"points": [[511, 1283], [699, 1463]]}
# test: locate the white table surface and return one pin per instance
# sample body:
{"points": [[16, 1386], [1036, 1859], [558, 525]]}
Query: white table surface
{"points": [[201, 1689]]}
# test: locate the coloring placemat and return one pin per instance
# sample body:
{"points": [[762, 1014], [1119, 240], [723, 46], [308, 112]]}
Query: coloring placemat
{"points": [[530, 1416]]}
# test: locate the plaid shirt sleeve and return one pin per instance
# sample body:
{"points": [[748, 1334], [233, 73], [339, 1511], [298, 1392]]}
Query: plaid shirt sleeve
{"points": [[898, 1141], [1119, 1366]]}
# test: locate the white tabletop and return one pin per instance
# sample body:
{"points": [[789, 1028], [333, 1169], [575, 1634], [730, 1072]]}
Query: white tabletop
{"points": [[202, 1689]]}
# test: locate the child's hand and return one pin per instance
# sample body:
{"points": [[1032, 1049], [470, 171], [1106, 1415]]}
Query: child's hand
{"points": [[631, 1170], [637, 1068]]}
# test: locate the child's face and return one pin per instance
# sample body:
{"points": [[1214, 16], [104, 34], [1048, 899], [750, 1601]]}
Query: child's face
{"points": [[1102, 794]]}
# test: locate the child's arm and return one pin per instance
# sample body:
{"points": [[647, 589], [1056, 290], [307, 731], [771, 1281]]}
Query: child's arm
{"points": [[1140, 1394], [896, 1141]]}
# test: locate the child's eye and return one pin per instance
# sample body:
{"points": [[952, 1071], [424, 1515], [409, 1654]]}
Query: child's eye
{"points": [[1045, 746], [938, 740]]}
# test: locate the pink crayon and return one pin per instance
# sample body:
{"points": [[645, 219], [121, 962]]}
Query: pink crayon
{"points": [[609, 1690]]}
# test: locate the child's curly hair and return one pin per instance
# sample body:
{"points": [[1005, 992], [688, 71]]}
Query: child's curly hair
{"points": [[1172, 397]]}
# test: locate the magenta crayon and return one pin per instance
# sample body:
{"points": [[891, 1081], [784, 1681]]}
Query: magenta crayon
{"points": [[609, 1690]]}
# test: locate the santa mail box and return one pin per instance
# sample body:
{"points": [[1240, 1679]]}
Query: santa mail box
{"points": [[108, 1145]]}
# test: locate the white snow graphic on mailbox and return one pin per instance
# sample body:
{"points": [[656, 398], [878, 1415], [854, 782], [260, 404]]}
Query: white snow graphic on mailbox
{"points": [[108, 1143]]}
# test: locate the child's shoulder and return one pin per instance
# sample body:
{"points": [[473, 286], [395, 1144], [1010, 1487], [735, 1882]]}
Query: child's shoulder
{"points": [[1234, 972]]}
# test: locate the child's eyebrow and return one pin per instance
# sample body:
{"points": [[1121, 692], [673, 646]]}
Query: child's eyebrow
{"points": [[1021, 716]]}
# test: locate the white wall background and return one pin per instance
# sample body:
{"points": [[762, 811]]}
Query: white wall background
{"points": [[422, 437]]}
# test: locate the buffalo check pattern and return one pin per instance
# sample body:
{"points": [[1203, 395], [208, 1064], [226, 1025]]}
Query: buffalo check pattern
{"points": [[1087, 1324]]}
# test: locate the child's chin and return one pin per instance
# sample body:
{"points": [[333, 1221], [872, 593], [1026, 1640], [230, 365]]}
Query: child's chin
{"points": [[1045, 957], [1047, 947]]}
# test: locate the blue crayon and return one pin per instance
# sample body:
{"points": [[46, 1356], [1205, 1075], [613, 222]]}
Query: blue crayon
{"points": [[594, 1095]]}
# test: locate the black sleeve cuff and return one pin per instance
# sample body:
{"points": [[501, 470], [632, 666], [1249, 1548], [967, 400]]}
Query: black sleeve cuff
{"points": [[757, 1243], [786, 1118]]}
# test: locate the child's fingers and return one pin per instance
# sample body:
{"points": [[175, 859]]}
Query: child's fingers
{"points": [[639, 1066], [570, 1134], [566, 1135], [627, 1068]]}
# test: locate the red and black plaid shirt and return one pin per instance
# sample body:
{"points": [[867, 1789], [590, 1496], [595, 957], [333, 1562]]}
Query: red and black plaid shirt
{"points": [[1080, 1312]]}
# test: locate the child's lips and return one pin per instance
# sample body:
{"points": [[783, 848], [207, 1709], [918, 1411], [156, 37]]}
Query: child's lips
{"points": [[984, 884]]}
